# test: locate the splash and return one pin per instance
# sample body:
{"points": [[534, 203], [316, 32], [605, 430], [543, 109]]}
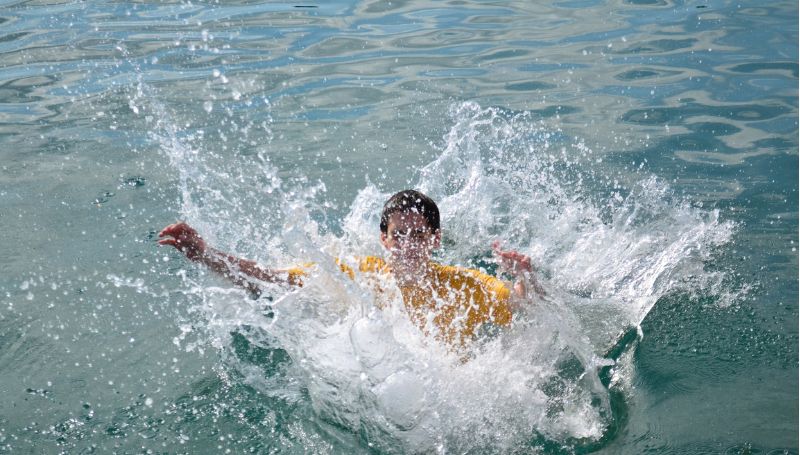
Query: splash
{"points": [[606, 251], [611, 250]]}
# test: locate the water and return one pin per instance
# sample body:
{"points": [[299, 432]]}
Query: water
{"points": [[644, 154]]}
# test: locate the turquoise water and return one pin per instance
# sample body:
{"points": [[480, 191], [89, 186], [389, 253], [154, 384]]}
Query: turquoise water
{"points": [[643, 153]]}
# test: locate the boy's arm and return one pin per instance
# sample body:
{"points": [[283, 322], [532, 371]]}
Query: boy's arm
{"points": [[241, 272]]}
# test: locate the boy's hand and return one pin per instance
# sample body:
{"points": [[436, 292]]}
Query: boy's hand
{"points": [[185, 239], [513, 262], [520, 266]]}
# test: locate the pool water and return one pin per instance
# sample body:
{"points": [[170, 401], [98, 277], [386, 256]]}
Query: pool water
{"points": [[643, 153]]}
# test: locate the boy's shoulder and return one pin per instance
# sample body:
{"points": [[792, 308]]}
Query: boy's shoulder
{"points": [[450, 275], [458, 277], [459, 271]]}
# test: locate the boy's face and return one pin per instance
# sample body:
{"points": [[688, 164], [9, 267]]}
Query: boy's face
{"points": [[410, 240]]}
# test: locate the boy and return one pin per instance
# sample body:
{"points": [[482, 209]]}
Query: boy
{"points": [[459, 300]]}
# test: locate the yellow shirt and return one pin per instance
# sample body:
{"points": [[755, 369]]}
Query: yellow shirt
{"points": [[459, 300]]}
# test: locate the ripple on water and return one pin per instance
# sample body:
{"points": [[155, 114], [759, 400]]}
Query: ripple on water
{"points": [[766, 67], [103, 197], [660, 46], [529, 86], [18, 347], [25, 89], [752, 449], [337, 46], [647, 2], [678, 115], [645, 73], [713, 128], [718, 158], [711, 189], [710, 342], [508, 54], [133, 182]]}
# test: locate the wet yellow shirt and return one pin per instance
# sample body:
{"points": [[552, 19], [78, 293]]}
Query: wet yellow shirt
{"points": [[457, 301]]}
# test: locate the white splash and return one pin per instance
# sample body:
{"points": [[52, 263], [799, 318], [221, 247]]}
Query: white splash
{"points": [[606, 253]]}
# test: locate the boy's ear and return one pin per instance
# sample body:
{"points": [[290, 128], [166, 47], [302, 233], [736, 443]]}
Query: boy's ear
{"points": [[384, 238], [437, 239]]}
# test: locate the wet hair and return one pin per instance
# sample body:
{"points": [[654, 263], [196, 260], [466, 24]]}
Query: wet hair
{"points": [[411, 201]]}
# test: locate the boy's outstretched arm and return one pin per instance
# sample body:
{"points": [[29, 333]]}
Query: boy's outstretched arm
{"points": [[519, 265], [242, 272]]}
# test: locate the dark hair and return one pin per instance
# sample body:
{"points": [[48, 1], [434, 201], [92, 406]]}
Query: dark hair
{"points": [[410, 201]]}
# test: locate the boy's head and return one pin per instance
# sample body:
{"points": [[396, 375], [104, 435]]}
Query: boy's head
{"points": [[411, 201], [410, 230]]}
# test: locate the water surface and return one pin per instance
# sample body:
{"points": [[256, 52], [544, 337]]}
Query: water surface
{"points": [[644, 153]]}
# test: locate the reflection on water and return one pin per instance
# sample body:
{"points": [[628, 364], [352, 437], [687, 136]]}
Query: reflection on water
{"points": [[118, 118]]}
